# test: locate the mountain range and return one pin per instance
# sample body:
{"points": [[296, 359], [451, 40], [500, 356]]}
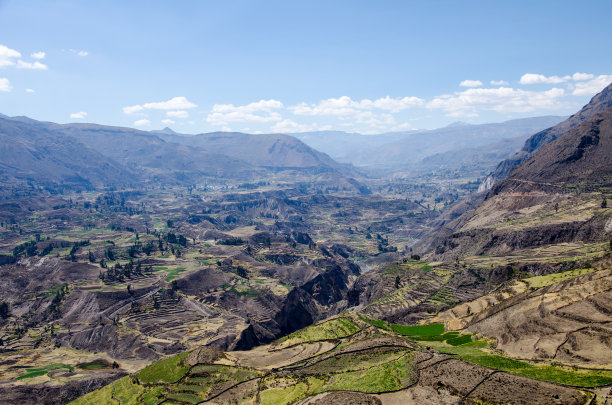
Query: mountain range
{"points": [[409, 148], [51, 155]]}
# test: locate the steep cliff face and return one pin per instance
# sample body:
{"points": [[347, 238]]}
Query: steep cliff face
{"points": [[598, 103], [580, 157], [555, 196]]}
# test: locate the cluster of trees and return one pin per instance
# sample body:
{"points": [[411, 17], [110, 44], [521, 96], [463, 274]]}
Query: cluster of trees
{"points": [[232, 241], [54, 308], [30, 248], [75, 248], [120, 272], [383, 245], [26, 249], [5, 310], [169, 241]]}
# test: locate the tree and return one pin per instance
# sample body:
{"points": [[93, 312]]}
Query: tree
{"points": [[5, 311], [91, 257], [604, 203], [397, 282], [242, 272]]}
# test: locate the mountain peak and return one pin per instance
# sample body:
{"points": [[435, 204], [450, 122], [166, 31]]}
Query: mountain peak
{"points": [[167, 131], [457, 124]]}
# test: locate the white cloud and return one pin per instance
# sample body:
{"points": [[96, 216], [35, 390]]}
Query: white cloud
{"points": [[167, 122], [30, 91], [78, 115], [593, 86], [289, 126], [582, 76], [38, 55], [261, 105], [470, 83], [142, 123], [7, 55], [177, 114], [499, 83], [393, 104], [176, 103], [259, 111], [132, 109], [502, 99], [5, 85], [344, 106], [28, 65], [533, 78]]}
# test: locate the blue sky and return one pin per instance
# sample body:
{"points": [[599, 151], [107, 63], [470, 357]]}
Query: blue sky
{"points": [[291, 66]]}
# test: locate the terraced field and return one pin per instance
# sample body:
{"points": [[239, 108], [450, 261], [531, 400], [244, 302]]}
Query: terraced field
{"points": [[350, 358]]}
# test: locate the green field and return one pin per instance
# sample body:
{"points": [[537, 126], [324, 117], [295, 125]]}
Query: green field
{"points": [[34, 372], [557, 374], [335, 328], [168, 370]]}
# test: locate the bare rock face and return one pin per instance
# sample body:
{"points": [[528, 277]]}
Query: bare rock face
{"points": [[204, 354]]}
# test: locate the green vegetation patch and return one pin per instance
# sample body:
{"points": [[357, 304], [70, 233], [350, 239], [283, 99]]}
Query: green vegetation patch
{"points": [[167, 370], [385, 377], [548, 279], [335, 328], [152, 396], [209, 375], [355, 361], [429, 333], [556, 374], [433, 329], [34, 372], [182, 397], [249, 292], [102, 396], [128, 392], [285, 395], [97, 364], [460, 340]]}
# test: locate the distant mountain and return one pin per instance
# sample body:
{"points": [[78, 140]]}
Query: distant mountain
{"points": [[90, 156], [415, 146], [272, 151], [342, 145], [598, 103], [162, 159], [472, 162], [31, 152]]}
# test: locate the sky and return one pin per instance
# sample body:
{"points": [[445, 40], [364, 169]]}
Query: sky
{"points": [[295, 66]]}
